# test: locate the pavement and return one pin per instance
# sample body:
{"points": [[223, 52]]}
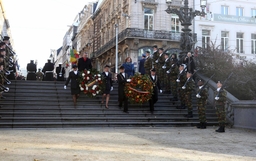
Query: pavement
{"points": [[127, 144]]}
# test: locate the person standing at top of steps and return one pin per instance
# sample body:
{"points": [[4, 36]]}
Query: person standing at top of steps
{"points": [[84, 63], [48, 70], [107, 80], [75, 90]]}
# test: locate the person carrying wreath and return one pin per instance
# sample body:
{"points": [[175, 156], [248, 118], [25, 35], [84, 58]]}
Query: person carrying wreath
{"points": [[156, 86], [107, 80], [75, 90], [122, 80]]}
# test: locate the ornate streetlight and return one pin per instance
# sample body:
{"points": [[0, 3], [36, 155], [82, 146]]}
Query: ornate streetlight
{"points": [[186, 15]]}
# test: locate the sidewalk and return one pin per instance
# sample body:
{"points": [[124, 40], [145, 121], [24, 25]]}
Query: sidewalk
{"points": [[127, 144]]}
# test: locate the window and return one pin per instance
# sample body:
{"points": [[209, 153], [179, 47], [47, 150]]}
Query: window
{"points": [[175, 26], [239, 42], [253, 13], [148, 19], [224, 40], [239, 11], [253, 43], [224, 10], [206, 38]]}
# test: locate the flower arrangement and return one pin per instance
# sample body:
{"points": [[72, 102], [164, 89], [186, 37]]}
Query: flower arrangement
{"points": [[91, 82], [140, 89]]}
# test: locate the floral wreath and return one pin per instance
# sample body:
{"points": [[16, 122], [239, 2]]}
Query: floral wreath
{"points": [[91, 82], [140, 89]]}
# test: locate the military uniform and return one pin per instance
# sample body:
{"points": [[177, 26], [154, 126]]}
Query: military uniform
{"points": [[31, 69], [148, 65], [173, 73], [159, 63], [188, 88], [60, 71], [180, 82], [122, 80], [165, 68], [48, 71], [39, 75], [202, 96], [220, 100]]}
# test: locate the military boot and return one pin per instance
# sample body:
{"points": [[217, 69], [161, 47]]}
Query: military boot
{"points": [[202, 125], [221, 129], [189, 115]]}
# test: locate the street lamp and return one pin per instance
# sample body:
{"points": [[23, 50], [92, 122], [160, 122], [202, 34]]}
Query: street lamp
{"points": [[186, 15]]}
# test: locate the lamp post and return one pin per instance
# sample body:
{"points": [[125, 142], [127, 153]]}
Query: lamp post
{"points": [[186, 15]]}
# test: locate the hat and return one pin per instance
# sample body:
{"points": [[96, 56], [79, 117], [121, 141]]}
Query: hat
{"points": [[6, 38], [107, 66], [74, 66], [148, 52], [121, 67], [31, 61], [161, 49], [167, 54], [155, 46], [183, 65], [2, 50], [143, 55], [153, 70], [200, 82]]}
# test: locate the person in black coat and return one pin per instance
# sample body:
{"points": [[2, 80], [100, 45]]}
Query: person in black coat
{"points": [[60, 73], [156, 86], [84, 63], [75, 90], [48, 70], [107, 78], [122, 80], [189, 61], [31, 69], [141, 65]]}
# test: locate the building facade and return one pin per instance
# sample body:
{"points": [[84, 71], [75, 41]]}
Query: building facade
{"points": [[230, 24]]}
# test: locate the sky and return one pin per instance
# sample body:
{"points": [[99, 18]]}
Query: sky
{"points": [[38, 26]]}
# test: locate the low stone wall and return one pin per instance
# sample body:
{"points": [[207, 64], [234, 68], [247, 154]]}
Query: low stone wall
{"points": [[244, 114]]}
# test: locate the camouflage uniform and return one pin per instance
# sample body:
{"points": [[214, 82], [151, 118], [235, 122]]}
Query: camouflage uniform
{"points": [[159, 70], [165, 68], [173, 80], [182, 79], [220, 107], [189, 87], [154, 58], [148, 65], [201, 103]]}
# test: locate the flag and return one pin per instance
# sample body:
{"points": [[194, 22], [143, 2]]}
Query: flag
{"points": [[73, 56]]}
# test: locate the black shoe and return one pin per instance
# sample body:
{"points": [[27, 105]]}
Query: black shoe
{"points": [[119, 105], [182, 106], [2, 97], [174, 99], [202, 125], [126, 111], [221, 129]]}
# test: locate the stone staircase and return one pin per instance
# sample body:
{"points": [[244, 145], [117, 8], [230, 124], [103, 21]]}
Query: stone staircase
{"points": [[34, 104]]}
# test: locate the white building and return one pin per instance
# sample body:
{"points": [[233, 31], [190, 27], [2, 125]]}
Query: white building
{"points": [[231, 24]]}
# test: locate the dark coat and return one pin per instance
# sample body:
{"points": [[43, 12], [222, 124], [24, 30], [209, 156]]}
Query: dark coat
{"points": [[141, 66], [48, 67], [60, 73], [190, 66], [82, 65], [121, 93], [31, 68], [107, 82], [74, 82], [156, 88]]}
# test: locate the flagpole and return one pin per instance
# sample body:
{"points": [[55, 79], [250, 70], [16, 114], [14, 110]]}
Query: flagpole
{"points": [[116, 70]]}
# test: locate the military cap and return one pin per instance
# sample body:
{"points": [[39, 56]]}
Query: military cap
{"points": [[121, 67], [6, 38], [107, 66], [2, 44], [167, 54], [161, 49], [153, 70], [143, 55], [74, 66], [148, 52], [155, 46], [2, 50]]}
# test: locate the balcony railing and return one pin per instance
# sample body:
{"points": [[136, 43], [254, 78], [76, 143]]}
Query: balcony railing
{"points": [[138, 33]]}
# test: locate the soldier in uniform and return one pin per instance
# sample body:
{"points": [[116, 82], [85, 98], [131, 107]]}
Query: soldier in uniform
{"points": [[155, 56], [220, 100], [31, 70], [188, 87], [122, 79], [165, 68], [148, 63], [39, 75], [180, 82], [159, 63], [156, 87], [48, 70], [202, 96], [60, 71], [173, 74]]}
